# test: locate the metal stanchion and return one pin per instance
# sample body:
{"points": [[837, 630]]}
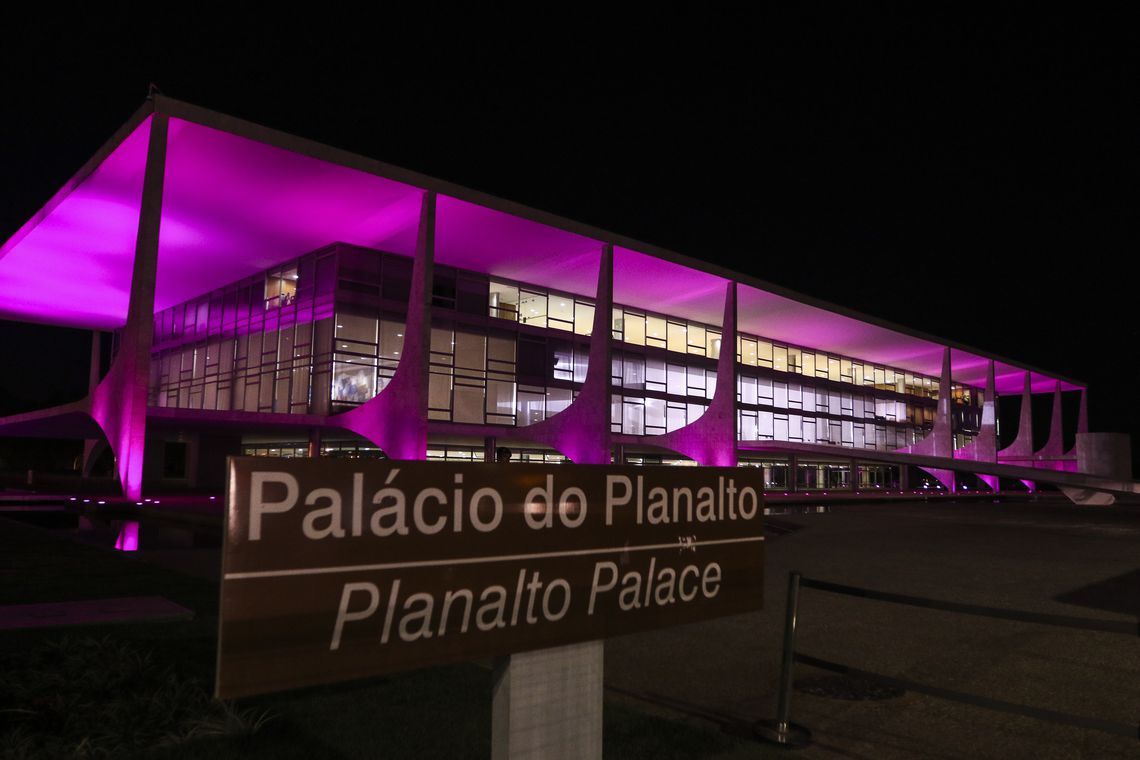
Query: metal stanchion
{"points": [[781, 730]]}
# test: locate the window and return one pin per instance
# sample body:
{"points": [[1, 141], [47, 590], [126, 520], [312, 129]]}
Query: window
{"points": [[634, 328], [712, 342], [532, 308], [696, 340], [676, 340], [745, 390], [764, 354], [780, 358], [354, 359], [504, 301], [281, 287], [795, 360], [561, 313], [747, 352], [583, 318], [655, 331]]}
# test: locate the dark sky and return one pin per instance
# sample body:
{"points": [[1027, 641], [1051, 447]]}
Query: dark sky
{"points": [[971, 175]]}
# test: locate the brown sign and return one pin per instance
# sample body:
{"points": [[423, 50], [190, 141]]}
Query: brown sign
{"points": [[337, 569]]}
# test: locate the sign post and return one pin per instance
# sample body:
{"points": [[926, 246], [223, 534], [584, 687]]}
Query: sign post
{"points": [[339, 569]]}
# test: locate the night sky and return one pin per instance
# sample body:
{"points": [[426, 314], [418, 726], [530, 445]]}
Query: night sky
{"points": [[970, 176]]}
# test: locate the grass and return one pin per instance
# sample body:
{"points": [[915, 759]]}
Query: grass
{"points": [[100, 697], [143, 690]]}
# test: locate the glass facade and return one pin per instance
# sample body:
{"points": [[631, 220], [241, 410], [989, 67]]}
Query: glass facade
{"points": [[366, 352], [262, 344], [325, 332]]}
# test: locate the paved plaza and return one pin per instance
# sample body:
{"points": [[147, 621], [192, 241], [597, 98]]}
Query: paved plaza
{"points": [[1048, 556]]}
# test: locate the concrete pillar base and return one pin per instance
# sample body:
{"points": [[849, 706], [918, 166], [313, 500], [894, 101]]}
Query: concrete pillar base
{"points": [[548, 704], [1087, 497]]}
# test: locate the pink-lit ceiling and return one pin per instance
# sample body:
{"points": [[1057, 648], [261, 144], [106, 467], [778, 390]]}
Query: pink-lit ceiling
{"points": [[784, 319], [971, 369], [234, 206], [474, 237], [231, 208], [73, 268], [654, 284]]}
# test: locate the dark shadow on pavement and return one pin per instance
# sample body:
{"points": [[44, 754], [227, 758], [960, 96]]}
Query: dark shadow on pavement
{"points": [[1117, 594]]}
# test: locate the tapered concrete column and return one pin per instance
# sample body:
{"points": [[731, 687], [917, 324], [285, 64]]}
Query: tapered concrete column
{"points": [[93, 447], [94, 374], [1082, 426], [991, 481], [984, 446], [119, 402], [396, 418], [710, 440], [1055, 446], [581, 431], [1022, 446], [314, 443], [548, 703]]}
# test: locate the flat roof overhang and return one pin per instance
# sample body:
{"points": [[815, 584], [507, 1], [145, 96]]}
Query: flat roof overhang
{"points": [[240, 198]]}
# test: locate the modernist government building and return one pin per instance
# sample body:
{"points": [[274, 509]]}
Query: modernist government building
{"points": [[267, 295]]}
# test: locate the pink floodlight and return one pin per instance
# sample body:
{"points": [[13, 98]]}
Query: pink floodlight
{"points": [[128, 539]]}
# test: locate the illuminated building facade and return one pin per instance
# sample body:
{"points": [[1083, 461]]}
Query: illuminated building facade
{"points": [[274, 296]]}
